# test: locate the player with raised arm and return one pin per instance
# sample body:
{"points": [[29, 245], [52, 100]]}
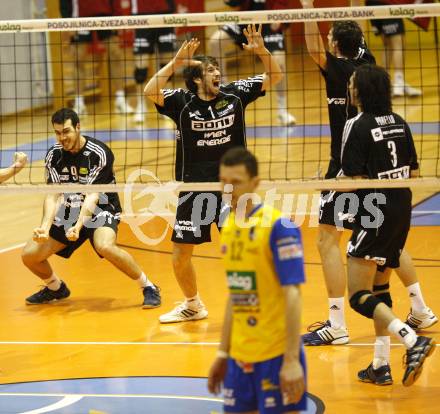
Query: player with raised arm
{"points": [[346, 51], [210, 119]]}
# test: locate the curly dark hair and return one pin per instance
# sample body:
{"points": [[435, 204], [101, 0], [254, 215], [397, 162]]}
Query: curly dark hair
{"points": [[373, 87], [349, 36], [63, 114], [192, 72]]}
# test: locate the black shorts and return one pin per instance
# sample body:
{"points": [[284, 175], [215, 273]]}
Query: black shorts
{"points": [[386, 27], [85, 36], [145, 40], [383, 243], [195, 214], [107, 217], [273, 40], [337, 209]]}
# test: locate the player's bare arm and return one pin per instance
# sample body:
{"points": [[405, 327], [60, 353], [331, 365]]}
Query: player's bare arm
{"points": [[218, 368], [41, 234], [291, 374], [87, 209], [20, 159], [314, 42], [255, 44], [153, 89]]}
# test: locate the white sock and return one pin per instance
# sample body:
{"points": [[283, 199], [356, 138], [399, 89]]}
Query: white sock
{"points": [[120, 94], [143, 281], [416, 297], [403, 333], [399, 78], [194, 301], [80, 100], [53, 283], [336, 312], [282, 102], [140, 104], [381, 351]]}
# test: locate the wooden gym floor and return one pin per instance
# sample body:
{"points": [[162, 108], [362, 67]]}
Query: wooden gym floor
{"points": [[101, 330]]}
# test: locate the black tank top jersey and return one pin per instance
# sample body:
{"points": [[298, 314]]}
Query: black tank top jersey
{"points": [[337, 75], [378, 147], [207, 129], [93, 164]]}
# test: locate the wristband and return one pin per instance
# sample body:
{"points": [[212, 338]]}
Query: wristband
{"points": [[222, 354]]}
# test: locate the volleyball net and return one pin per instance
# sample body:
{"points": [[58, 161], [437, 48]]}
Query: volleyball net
{"points": [[92, 65]]}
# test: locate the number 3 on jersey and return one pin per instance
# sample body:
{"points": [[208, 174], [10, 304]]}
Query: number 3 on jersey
{"points": [[392, 146]]}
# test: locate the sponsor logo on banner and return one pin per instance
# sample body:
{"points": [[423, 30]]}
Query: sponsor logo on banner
{"points": [[175, 20], [401, 12], [10, 27], [223, 18]]}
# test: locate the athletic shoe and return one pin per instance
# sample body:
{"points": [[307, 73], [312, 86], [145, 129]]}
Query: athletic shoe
{"points": [[138, 117], [379, 376], [400, 90], [183, 312], [286, 119], [45, 295], [322, 333], [139, 112], [122, 106], [421, 320], [415, 357], [151, 297]]}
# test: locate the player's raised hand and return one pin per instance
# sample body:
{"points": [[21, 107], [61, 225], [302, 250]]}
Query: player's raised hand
{"points": [[307, 4], [20, 159], [40, 235], [72, 234], [255, 42], [184, 56]]}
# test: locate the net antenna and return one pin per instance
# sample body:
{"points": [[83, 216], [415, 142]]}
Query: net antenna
{"points": [[40, 71]]}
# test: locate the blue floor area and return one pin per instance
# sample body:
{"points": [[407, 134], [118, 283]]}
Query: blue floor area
{"points": [[37, 150], [427, 213], [132, 395]]}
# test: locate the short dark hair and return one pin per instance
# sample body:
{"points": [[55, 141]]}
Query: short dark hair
{"points": [[373, 88], [349, 36], [241, 156], [63, 114], [192, 72]]}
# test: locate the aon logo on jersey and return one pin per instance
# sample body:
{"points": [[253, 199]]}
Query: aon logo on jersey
{"points": [[214, 124]]}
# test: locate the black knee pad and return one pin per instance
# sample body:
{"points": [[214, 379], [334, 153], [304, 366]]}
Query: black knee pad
{"points": [[384, 297], [367, 308], [140, 75], [378, 288]]}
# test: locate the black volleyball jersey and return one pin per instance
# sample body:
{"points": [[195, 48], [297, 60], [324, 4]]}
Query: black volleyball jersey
{"points": [[93, 164], [378, 146], [207, 129], [337, 76]]}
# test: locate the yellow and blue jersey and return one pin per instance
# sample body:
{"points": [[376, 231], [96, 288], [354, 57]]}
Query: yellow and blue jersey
{"points": [[261, 255]]}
